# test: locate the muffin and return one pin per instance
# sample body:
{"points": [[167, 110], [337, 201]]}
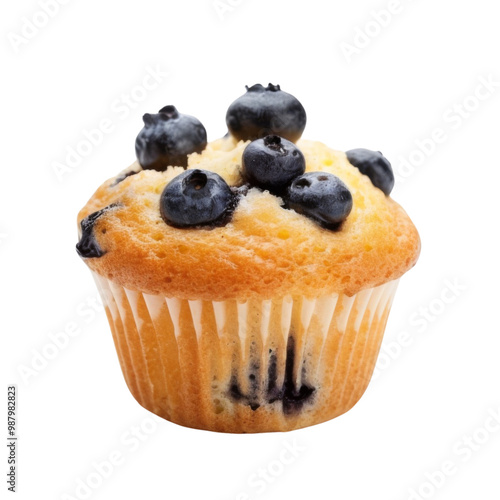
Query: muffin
{"points": [[247, 281]]}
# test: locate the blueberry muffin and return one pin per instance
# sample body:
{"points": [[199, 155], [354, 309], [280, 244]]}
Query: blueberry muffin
{"points": [[247, 281]]}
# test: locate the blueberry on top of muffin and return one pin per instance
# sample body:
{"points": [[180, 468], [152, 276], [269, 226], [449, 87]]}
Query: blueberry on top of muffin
{"points": [[257, 202], [375, 165], [263, 111], [195, 198], [272, 163], [88, 246], [167, 138], [321, 196]]}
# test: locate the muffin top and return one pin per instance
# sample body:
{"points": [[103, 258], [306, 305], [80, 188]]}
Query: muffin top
{"points": [[260, 213]]}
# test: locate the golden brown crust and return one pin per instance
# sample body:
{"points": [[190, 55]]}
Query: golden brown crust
{"points": [[265, 251]]}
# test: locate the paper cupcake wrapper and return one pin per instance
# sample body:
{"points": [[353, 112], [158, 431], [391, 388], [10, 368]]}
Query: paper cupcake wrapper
{"points": [[252, 366]]}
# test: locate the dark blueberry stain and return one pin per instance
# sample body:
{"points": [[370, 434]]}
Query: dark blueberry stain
{"points": [[88, 247], [273, 391], [234, 390], [123, 176], [254, 380], [292, 399], [237, 395]]}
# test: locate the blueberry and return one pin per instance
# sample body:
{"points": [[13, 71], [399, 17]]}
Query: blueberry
{"points": [[322, 197], [167, 138], [196, 198], [272, 163], [375, 165], [88, 247], [122, 177], [266, 110]]}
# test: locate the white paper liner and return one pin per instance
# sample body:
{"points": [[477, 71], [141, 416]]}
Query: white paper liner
{"points": [[202, 363]]}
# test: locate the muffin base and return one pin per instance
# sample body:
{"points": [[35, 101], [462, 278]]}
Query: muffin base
{"points": [[253, 366]]}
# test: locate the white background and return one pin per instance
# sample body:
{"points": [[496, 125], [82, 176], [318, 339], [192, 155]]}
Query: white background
{"points": [[411, 78]]}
